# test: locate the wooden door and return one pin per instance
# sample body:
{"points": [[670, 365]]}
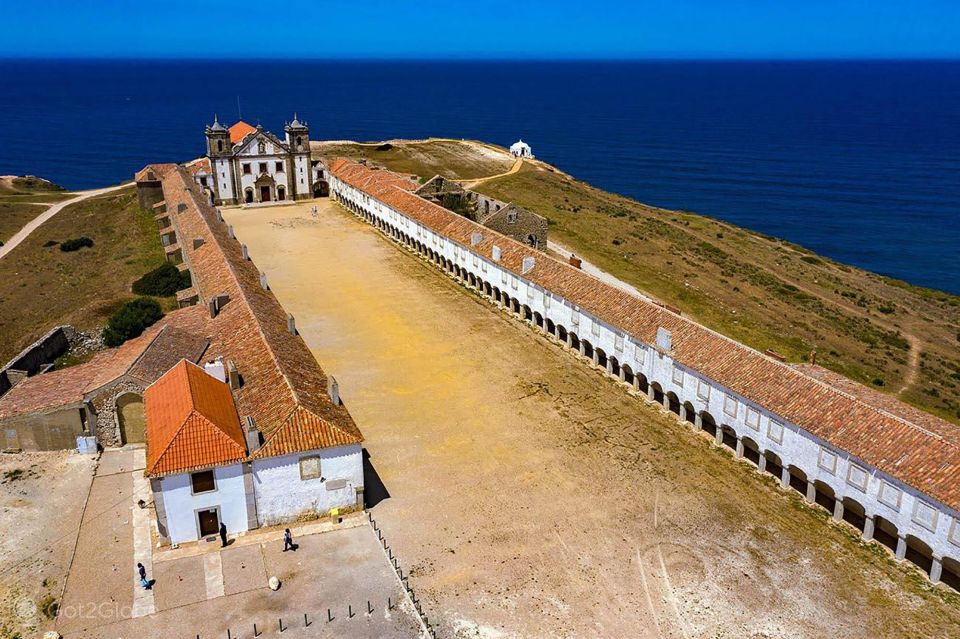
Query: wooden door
{"points": [[264, 193], [209, 522]]}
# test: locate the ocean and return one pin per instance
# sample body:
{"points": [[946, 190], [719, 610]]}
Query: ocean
{"points": [[859, 161]]}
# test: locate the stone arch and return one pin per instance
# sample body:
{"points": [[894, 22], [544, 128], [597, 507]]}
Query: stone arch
{"points": [[516, 305], [951, 573], [587, 349], [656, 392], [562, 333], [773, 464], [488, 289], [131, 421], [575, 342], [642, 385], [321, 188], [751, 450], [538, 320], [728, 436], [281, 193], [885, 532], [798, 479], [672, 403], [600, 358], [689, 413], [527, 313], [248, 195], [824, 495], [551, 327], [919, 553], [854, 513], [626, 374], [613, 367]]}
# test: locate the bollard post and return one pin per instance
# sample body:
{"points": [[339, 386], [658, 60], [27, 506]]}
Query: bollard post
{"points": [[349, 611], [369, 607], [306, 622], [228, 633], [329, 615], [255, 632], [280, 621], [389, 607]]}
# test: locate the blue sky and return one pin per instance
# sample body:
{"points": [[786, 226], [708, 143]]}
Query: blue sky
{"points": [[483, 29]]}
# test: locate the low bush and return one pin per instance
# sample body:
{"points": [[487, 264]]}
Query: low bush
{"points": [[131, 320], [76, 244], [162, 281], [50, 243]]}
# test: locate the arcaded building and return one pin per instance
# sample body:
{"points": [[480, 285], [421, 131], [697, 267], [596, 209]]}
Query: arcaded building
{"points": [[882, 467]]}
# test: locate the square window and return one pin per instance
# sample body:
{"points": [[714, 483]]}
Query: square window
{"points": [[278, 167], [677, 376], [618, 342], [889, 495], [246, 169], [753, 418], [546, 299], [595, 328], [309, 467], [514, 282], [827, 461], [503, 277], [263, 167], [203, 482], [775, 431], [925, 515], [703, 389], [954, 535], [730, 406], [641, 355], [857, 477]]}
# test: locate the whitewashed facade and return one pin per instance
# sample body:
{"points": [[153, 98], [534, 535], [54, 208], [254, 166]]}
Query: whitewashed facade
{"points": [[888, 505]]}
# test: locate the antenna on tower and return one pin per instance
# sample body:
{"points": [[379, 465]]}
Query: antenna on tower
{"points": [[239, 115]]}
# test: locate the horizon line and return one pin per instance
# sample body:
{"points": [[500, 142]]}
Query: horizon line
{"points": [[395, 59]]}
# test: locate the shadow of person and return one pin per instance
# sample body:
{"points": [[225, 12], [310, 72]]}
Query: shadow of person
{"points": [[150, 584], [373, 489]]}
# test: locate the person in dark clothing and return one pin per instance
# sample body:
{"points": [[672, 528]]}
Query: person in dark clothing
{"points": [[288, 541], [223, 535], [143, 576]]}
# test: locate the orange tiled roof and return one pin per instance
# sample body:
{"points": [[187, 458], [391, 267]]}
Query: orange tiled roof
{"points": [[191, 422], [177, 335], [889, 437], [239, 131], [284, 390], [201, 165]]}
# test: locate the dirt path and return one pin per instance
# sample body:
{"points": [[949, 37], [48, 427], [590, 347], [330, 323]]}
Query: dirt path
{"points": [[34, 224], [597, 272], [526, 495], [470, 184]]}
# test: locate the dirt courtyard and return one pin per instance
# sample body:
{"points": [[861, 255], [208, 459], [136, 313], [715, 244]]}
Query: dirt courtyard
{"points": [[530, 496]]}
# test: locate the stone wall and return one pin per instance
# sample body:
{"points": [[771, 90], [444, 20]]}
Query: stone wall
{"points": [[56, 430], [148, 194], [107, 427], [36, 357], [520, 224]]}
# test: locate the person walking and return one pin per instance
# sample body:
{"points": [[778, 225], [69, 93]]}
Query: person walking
{"points": [[143, 576], [223, 535], [287, 540]]}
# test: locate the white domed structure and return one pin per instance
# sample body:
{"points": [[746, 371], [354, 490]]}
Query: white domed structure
{"points": [[521, 149]]}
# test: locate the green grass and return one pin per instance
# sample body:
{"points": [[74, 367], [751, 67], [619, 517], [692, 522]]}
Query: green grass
{"points": [[42, 287], [14, 215]]}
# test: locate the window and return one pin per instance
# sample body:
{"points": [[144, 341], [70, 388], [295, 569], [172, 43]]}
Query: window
{"points": [[574, 317], [775, 431], [263, 167], [678, 376], [203, 181], [925, 515], [261, 148], [889, 495], [703, 389], [827, 461], [546, 299], [753, 418], [618, 342], [595, 328], [219, 145], [278, 167], [309, 468], [246, 169], [514, 282], [512, 217], [857, 477], [203, 482], [730, 406], [954, 535], [641, 355]]}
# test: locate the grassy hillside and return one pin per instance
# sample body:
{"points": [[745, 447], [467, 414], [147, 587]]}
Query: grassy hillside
{"points": [[20, 189], [765, 292], [425, 159], [42, 286], [13, 216]]}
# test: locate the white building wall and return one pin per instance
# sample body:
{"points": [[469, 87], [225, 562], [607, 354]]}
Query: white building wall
{"points": [[796, 447], [282, 495], [224, 177], [181, 504]]}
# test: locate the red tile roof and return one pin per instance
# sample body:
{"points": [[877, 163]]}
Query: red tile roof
{"points": [[191, 422], [239, 131], [892, 440], [284, 390]]}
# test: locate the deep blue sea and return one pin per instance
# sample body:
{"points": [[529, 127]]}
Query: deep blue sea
{"points": [[859, 161]]}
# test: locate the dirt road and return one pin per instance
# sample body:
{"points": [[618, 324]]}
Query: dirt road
{"points": [[529, 496]]}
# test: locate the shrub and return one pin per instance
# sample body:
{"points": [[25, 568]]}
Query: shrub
{"points": [[809, 259], [162, 281], [130, 320], [50, 243], [76, 244]]}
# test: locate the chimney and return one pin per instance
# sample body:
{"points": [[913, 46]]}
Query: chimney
{"points": [[263, 281], [215, 368], [575, 261], [475, 238], [291, 324], [181, 207], [233, 375], [197, 243], [246, 253], [813, 357], [528, 263], [333, 389], [252, 435], [213, 307], [496, 253], [230, 231]]}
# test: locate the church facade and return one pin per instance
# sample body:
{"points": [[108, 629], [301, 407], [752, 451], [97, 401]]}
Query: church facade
{"points": [[250, 165]]}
